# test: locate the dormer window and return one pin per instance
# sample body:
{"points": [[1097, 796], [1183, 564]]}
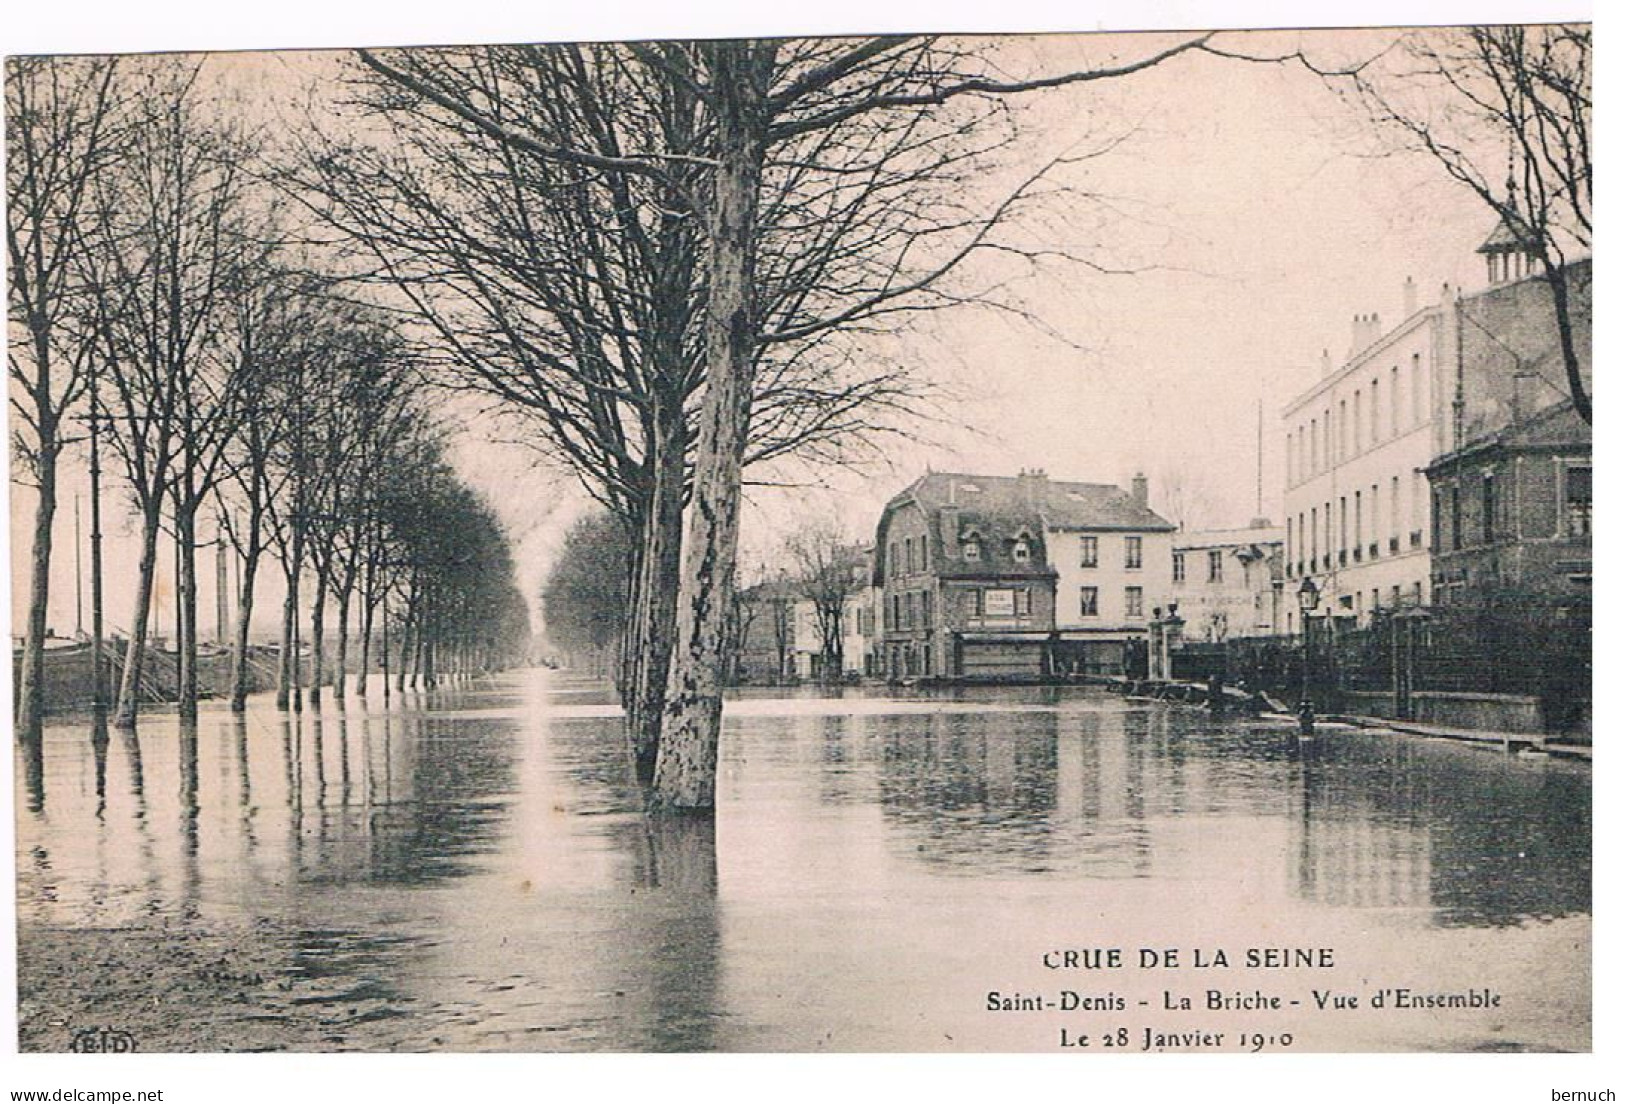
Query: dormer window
{"points": [[1021, 551], [971, 549]]}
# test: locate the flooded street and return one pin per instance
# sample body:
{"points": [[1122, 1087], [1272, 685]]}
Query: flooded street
{"points": [[470, 871]]}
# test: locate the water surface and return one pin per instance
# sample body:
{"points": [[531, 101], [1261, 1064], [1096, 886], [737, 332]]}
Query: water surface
{"points": [[469, 870]]}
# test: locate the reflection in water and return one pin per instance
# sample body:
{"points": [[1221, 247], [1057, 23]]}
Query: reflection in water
{"points": [[471, 868], [33, 773]]}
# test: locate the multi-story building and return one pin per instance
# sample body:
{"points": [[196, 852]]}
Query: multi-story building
{"points": [[1357, 444], [1362, 520], [1512, 491], [1228, 582], [993, 576]]}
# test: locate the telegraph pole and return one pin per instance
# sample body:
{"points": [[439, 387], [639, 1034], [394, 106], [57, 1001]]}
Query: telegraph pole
{"points": [[98, 681]]}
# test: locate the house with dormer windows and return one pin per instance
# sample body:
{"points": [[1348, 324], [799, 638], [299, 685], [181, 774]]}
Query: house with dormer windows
{"points": [[1024, 577]]}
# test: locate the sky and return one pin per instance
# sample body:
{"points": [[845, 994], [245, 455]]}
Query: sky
{"points": [[1249, 221]]}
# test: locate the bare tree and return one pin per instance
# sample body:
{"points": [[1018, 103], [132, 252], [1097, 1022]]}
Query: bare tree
{"points": [[783, 124], [61, 119], [160, 259], [828, 571], [1505, 111], [765, 100]]}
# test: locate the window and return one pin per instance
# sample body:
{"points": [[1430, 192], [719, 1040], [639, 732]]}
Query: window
{"points": [[1455, 518], [1357, 430], [1024, 602], [1179, 567], [1418, 505], [1393, 514], [1088, 551], [1134, 602], [1488, 506], [1215, 566], [971, 549], [1021, 552], [1131, 552], [1376, 414], [1577, 499], [1088, 601], [1393, 400], [908, 554], [925, 609], [893, 562], [1418, 390]]}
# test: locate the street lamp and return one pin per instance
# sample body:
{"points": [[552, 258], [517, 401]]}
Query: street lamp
{"points": [[1308, 599]]}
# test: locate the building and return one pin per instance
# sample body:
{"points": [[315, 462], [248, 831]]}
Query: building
{"points": [[1452, 380], [999, 577], [1357, 444], [1228, 582], [1512, 515], [1512, 491]]}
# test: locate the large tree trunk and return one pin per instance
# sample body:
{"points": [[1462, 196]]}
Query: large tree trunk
{"points": [[31, 679], [685, 775], [130, 684], [655, 612]]}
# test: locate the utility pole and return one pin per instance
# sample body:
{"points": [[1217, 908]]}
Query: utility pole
{"points": [[98, 681], [78, 576], [221, 590], [1258, 508]]}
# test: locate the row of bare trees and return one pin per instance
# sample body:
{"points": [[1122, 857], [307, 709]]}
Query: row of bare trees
{"points": [[175, 326]]}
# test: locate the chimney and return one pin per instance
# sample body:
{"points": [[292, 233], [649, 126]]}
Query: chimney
{"points": [[1409, 297], [948, 529], [1140, 490], [1031, 483]]}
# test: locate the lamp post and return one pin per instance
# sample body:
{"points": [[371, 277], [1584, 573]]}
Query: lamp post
{"points": [[1308, 599]]}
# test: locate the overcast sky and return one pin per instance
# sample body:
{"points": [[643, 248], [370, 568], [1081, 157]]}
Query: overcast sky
{"points": [[1255, 223]]}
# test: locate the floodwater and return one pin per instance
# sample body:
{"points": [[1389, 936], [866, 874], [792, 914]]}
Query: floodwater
{"points": [[470, 870]]}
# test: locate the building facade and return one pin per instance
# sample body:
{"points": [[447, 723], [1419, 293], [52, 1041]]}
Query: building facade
{"points": [[1357, 445], [1228, 583], [1512, 490], [1023, 577], [1512, 515], [1362, 520]]}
